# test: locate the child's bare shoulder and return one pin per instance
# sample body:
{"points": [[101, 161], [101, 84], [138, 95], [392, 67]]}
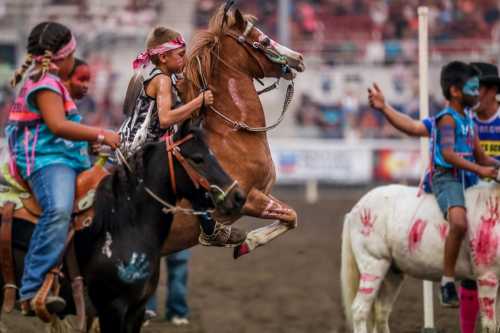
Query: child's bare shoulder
{"points": [[159, 83], [446, 120]]}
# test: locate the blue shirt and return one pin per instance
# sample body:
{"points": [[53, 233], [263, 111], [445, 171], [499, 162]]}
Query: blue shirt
{"points": [[32, 144]]}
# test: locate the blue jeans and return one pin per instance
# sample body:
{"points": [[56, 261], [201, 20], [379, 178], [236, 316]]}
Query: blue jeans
{"points": [[177, 270], [54, 189], [448, 189]]}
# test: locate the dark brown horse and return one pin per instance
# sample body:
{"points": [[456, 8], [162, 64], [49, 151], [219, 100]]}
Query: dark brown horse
{"points": [[228, 57]]}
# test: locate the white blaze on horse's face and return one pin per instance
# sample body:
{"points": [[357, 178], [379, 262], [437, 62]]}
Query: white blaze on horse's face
{"points": [[294, 59]]}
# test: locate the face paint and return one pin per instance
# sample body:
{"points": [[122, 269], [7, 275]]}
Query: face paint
{"points": [[471, 87], [135, 270]]}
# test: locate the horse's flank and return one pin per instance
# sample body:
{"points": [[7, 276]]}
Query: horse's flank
{"points": [[391, 233]]}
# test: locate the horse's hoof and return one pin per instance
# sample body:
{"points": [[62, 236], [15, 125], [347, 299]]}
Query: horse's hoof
{"points": [[241, 250]]}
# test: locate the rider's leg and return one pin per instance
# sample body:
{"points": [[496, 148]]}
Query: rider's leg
{"points": [[54, 189], [214, 233], [469, 306], [449, 193], [458, 226]]}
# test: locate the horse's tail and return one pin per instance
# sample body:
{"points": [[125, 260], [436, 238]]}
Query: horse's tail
{"points": [[349, 273]]}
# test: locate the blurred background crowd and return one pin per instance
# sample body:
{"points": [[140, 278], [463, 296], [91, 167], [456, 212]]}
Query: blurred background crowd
{"points": [[347, 45]]}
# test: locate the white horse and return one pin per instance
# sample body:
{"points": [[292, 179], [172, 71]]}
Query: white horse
{"points": [[392, 232]]}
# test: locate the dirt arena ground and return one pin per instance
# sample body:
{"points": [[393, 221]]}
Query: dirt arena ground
{"points": [[291, 285]]}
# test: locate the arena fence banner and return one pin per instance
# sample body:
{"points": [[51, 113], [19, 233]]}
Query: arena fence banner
{"points": [[342, 162], [298, 161], [396, 165]]}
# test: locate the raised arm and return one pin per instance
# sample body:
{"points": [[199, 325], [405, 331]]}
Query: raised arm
{"points": [[397, 119]]}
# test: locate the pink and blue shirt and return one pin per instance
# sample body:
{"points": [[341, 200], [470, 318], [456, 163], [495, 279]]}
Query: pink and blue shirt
{"points": [[31, 143]]}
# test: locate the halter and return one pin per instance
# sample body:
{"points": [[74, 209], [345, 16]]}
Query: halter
{"points": [[173, 150], [273, 56]]}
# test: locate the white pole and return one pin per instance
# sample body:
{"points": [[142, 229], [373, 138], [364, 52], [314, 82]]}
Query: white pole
{"points": [[312, 191], [423, 66], [283, 22]]}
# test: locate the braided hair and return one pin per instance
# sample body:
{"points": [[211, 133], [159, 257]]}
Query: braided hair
{"points": [[45, 40]]}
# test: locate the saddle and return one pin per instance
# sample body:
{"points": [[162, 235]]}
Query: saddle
{"points": [[17, 202]]}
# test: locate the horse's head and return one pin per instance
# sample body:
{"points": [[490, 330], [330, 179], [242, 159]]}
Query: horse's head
{"points": [[214, 187], [266, 57]]}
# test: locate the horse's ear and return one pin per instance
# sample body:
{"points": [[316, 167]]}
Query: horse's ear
{"points": [[239, 20]]}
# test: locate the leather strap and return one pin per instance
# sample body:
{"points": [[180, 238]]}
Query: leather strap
{"points": [[195, 176], [77, 287], [6, 258], [169, 143], [50, 283]]}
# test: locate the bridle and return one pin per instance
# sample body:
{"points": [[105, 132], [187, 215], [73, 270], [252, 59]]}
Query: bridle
{"points": [[173, 150], [273, 56]]}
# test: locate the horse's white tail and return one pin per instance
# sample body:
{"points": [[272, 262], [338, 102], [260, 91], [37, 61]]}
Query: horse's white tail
{"points": [[349, 273]]}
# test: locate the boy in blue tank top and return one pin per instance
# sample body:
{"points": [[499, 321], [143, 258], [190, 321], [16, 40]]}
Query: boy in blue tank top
{"points": [[456, 154], [487, 120]]}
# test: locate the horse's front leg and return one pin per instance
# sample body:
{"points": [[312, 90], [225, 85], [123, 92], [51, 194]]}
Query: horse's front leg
{"points": [[265, 206], [487, 289]]}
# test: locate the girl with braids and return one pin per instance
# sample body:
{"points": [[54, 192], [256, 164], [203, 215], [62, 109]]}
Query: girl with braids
{"points": [[154, 108], [48, 147]]}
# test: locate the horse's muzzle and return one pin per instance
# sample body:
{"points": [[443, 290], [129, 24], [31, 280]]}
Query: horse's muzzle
{"points": [[229, 202]]}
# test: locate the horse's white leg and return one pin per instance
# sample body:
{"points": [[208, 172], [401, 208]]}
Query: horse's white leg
{"points": [[389, 290], [373, 273], [265, 206], [487, 285]]}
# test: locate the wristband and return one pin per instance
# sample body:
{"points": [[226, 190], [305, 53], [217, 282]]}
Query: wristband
{"points": [[100, 137]]}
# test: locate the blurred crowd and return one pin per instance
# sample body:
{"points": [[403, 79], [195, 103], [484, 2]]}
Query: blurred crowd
{"points": [[319, 114], [375, 31], [97, 107]]}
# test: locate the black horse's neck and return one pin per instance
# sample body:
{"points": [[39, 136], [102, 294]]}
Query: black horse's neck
{"points": [[123, 206]]}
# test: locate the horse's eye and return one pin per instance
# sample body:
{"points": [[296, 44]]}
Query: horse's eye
{"points": [[197, 159], [266, 41]]}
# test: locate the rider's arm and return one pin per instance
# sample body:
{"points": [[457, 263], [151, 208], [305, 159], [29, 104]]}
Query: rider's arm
{"points": [[480, 155], [162, 89], [51, 107], [404, 123], [397, 119]]}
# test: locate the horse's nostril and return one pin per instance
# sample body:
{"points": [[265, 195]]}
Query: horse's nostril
{"points": [[239, 198]]}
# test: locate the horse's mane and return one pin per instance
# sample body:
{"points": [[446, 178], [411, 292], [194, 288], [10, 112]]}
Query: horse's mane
{"points": [[204, 45], [116, 193]]}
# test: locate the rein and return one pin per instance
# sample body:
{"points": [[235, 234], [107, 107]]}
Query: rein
{"points": [[273, 56], [173, 150]]}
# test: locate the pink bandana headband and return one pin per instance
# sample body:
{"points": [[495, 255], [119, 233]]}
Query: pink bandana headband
{"points": [[145, 57], [65, 51]]}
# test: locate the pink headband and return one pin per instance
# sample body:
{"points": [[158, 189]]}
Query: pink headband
{"points": [[65, 51], [145, 57]]}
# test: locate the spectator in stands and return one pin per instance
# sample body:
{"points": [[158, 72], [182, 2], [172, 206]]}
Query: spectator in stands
{"points": [[204, 11]]}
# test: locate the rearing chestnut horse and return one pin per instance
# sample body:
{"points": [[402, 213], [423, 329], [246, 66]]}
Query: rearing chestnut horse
{"points": [[228, 57]]}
